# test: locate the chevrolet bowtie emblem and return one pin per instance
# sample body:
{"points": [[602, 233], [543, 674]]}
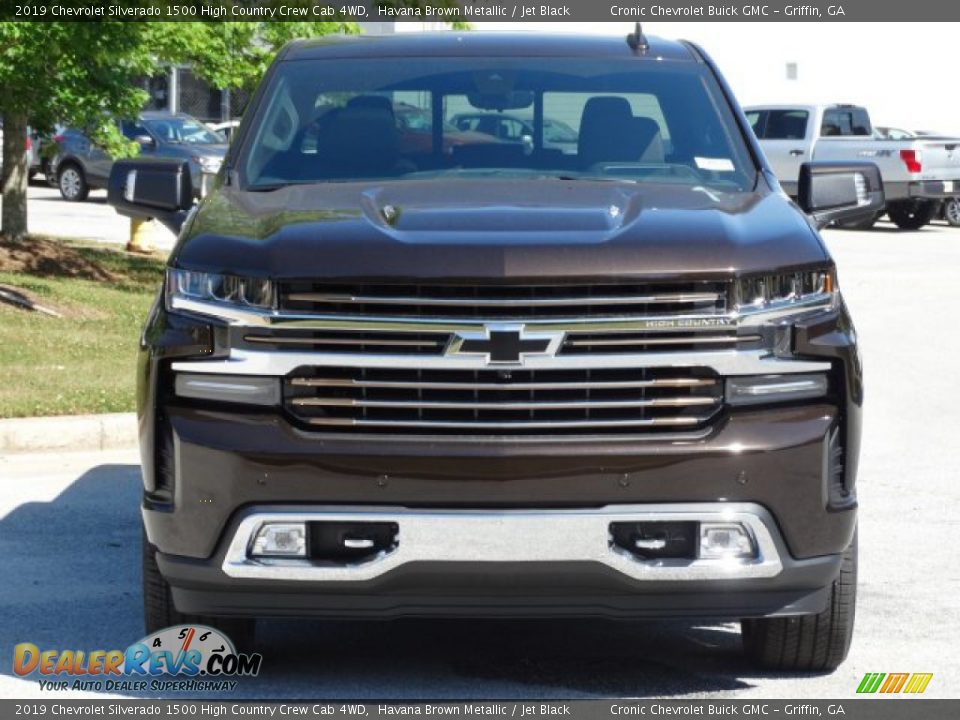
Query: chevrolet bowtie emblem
{"points": [[504, 344]]}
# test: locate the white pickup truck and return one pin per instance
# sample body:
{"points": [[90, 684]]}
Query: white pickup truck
{"points": [[918, 173]]}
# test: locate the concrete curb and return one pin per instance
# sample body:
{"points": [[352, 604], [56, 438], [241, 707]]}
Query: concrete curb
{"points": [[70, 432]]}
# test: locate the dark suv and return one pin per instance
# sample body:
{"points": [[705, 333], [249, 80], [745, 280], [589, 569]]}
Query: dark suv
{"points": [[80, 165], [498, 378]]}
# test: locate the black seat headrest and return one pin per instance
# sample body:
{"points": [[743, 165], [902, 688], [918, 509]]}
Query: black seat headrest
{"points": [[371, 101], [605, 128], [360, 138]]}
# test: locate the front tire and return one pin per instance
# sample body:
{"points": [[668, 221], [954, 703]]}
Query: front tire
{"points": [[808, 643], [159, 612], [912, 215], [72, 183], [951, 212]]}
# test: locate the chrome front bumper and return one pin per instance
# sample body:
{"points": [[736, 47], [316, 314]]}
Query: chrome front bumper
{"points": [[534, 536]]}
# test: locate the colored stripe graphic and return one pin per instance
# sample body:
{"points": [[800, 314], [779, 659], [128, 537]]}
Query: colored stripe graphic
{"points": [[870, 682], [894, 682], [913, 683], [918, 683]]}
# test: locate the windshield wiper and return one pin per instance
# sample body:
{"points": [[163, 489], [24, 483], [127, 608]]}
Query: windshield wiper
{"points": [[590, 178], [270, 187]]}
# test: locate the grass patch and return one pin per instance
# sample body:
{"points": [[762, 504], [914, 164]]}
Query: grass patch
{"points": [[84, 361]]}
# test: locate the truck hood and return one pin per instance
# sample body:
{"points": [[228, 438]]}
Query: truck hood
{"points": [[496, 230]]}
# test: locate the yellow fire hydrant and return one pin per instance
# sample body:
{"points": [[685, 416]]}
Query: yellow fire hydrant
{"points": [[141, 236]]}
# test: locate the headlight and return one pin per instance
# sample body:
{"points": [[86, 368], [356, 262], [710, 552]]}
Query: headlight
{"points": [[213, 287], [208, 164], [775, 292]]}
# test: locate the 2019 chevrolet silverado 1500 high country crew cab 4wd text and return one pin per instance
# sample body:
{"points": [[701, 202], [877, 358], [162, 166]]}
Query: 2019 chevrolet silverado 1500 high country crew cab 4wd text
{"points": [[495, 378]]}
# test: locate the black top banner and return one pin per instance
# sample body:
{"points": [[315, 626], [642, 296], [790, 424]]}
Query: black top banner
{"points": [[479, 11], [53, 708]]}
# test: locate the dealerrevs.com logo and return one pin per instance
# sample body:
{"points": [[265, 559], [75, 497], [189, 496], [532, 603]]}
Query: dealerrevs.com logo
{"points": [[203, 655]]}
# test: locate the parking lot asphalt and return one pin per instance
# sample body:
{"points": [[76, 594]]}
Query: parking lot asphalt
{"points": [[92, 219], [69, 550]]}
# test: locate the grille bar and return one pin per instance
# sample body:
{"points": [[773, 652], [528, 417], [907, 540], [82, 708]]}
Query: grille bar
{"points": [[367, 342], [347, 341], [485, 406], [704, 297], [599, 385], [632, 340], [504, 301], [689, 421]]}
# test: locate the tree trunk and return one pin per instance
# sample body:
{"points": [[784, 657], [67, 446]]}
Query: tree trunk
{"points": [[13, 179]]}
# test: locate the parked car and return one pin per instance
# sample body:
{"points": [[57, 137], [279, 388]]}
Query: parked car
{"points": [[415, 126], [32, 141], [950, 212], [918, 173], [510, 128], [888, 133], [891, 133], [80, 164], [227, 128], [496, 382], [34, 157]]}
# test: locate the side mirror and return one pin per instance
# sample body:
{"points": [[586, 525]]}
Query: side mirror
{"points": [[158, 189], [840, 191], [144, 141]]}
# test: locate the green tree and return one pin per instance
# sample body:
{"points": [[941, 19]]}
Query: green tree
{"points": [[236, 55], [81, 73]]}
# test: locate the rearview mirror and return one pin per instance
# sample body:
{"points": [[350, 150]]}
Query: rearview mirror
{"points": [[839, 191], [500, 101], [158, 189]]}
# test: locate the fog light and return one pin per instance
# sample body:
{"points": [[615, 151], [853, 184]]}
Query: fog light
{"points": [[725, 540], [758, 389], [282, 539]]}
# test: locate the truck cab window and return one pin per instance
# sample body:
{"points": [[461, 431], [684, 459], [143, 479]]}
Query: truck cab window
{"points": [[845, 122], [785, 125]]}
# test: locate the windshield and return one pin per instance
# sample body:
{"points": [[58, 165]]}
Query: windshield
{"points": [[183, 130], [626, 120]]}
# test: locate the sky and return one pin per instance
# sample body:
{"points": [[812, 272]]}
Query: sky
{"points": [[900, 71]]}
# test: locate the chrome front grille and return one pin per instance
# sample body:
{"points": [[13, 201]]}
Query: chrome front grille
{"points": [[504, 302], [599, 343], [576, 342], [348, 341], [627, 401]]}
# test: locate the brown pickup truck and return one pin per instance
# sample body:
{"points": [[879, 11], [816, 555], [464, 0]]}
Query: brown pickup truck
{"points": [[502, 378]]}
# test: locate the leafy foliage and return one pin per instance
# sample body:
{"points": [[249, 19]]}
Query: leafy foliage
{"points": [[237, 54], [84, 74], [77, 72]]}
